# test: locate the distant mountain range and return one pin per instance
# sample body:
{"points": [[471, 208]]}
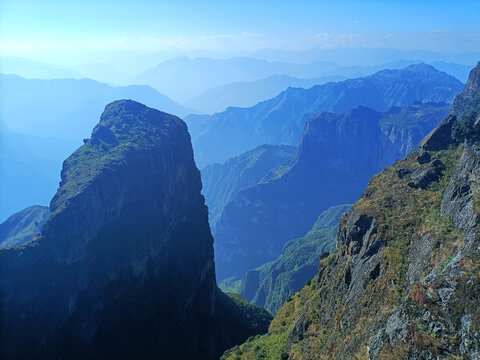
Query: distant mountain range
{"points": [[337, 155], [246, 94], [348, 56], [29, 169], [64, 108], [281, 120], [34, 69], [183, 78], [191, 80]]}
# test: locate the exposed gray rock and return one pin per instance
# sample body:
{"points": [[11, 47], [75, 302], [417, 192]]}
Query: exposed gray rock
{"points": [[440, 137], [425, 175], [403, 172], [445, 294], [424, 158], [420, 253], [459, 195]]}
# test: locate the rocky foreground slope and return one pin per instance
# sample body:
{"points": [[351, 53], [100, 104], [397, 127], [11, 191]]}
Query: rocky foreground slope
{"points": [[404, 281], [124, 266]]}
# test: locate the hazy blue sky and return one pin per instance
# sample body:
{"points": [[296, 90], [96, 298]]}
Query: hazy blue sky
{"points": [[34, 27]]}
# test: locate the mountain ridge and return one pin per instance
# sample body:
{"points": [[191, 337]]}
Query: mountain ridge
{"points": [[281, 120]]}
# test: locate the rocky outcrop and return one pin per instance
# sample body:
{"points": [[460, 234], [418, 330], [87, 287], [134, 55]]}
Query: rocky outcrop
{"points": [[337, 155], [458, 199], [466, 104], [124, 265], [440, 137]]}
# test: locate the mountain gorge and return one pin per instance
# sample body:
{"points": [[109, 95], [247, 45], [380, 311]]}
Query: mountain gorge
{"points": [[271, 284], [222, 182], [336, 156], [124, 266], [403, 282], [281, 120]]}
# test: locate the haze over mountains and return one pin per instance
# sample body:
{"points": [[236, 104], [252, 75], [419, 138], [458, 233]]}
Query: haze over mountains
{"points": [[43, 121], [128, 228], [28, 108], [209, 70], [64, 108], [239, 180], [247, 94], [281, 120]]}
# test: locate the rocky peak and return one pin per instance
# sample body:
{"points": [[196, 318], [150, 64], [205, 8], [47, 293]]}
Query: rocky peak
{"points": [[472, 88], [469, 99], [462, 123], [124, 266]]}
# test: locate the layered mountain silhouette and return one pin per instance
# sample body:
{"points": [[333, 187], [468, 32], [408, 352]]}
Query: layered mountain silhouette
{"points": [[247, 94], [34, 69], [337, 155], [29, 169], [67, 108], [403, 281], [281, 120], [124, 266], [183, 78]]}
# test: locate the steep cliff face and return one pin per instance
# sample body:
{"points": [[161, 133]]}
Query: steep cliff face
{"points": [[404, 280], [281, 120], [336, 156], [124, 266]]}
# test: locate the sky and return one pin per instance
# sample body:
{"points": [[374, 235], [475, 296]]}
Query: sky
{"points": [[79, 30]]}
